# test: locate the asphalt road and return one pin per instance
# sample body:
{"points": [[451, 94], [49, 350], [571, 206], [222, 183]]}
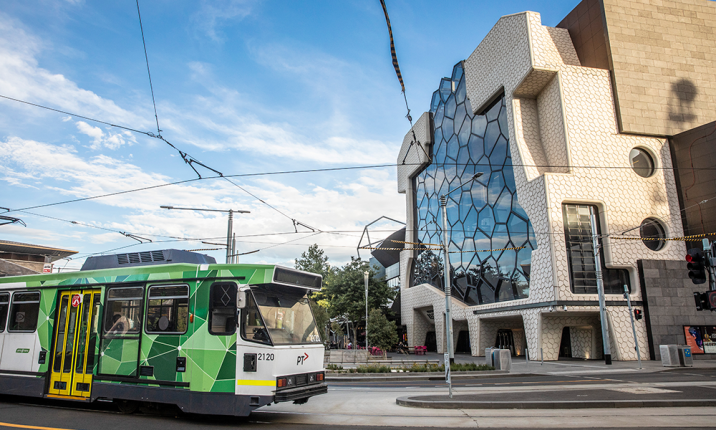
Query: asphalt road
{"points": [[364, 405]]}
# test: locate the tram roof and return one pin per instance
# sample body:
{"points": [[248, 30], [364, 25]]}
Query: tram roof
{"points": [[253, 274]]}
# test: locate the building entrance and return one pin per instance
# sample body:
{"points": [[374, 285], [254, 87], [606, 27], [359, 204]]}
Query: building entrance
{"points": [[505, 340], [565, 347]]}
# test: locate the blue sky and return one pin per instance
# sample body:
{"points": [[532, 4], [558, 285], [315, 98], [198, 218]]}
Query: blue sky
{"points": [[244, 87]]}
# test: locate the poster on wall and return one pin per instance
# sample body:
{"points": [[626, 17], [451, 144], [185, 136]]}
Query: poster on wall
{"points": [[701, 339]]}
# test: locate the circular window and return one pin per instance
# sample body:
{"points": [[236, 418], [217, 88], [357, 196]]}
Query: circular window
{"points": [[653, 234], [641, 162]]}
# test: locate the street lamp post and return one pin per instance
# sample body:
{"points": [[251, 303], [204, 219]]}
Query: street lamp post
{"points": [[449, 356], [365, 278], [230, 251]]}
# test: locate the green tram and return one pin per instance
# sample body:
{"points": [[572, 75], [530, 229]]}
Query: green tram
{"points": [[166, 327]]}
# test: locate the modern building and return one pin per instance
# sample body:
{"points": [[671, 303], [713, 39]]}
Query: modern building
{"points": [[591, 128], [26, 259]]}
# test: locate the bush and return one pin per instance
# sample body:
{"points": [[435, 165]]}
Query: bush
{"points": [[470, 367], [373, 369], [334, 367], [455, 367]]}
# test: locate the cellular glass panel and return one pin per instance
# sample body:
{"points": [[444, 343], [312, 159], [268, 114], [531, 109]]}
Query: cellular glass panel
{"points": [[486, 217]]}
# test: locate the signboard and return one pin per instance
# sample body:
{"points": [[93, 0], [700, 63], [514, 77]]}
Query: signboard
{"points": [[701, 339], [47, 268], [76, 300]]}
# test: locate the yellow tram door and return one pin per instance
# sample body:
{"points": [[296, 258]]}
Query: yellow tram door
{"points": [[73, 356]]}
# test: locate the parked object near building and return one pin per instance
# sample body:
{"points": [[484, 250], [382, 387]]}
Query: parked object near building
{"points": [[579, 135], [164, 326]]}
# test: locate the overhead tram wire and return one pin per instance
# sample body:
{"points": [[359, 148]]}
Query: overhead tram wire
{"points": [[396, 66], [146, 57]]}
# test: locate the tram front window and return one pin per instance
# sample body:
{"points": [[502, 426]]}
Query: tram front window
{"points": [[287, 314]]}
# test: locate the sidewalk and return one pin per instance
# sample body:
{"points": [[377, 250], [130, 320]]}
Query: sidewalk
{"points": [[520, 367]]}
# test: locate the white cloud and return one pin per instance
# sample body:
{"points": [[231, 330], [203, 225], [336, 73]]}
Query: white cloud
{"points": [[352, 202], [108, 140], [215, 13], [22, 78]]}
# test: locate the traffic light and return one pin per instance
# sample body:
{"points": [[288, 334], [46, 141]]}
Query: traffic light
{"points": [[696, 266], [637, 314], [701, 302], [705, 301]]}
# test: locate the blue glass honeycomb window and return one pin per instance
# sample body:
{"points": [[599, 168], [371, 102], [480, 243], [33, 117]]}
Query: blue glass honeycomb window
{"points": [[485, 217]]}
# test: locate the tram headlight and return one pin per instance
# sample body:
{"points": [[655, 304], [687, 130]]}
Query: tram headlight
{"points": [[319, 376], [281, 383]]}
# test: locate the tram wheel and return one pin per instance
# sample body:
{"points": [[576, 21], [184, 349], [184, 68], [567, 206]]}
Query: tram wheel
{"points": [[126, 406]]}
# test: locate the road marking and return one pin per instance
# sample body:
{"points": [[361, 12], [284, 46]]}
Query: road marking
{"points": [[20, 426]]}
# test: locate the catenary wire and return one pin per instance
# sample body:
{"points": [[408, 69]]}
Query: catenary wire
{"points": [[146, 57]]}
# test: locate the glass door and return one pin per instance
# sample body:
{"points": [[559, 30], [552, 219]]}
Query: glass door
{"points": [[73, 356]]}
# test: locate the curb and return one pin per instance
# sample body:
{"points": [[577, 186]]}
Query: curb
{"points": [[587, 404], [421, 376]]}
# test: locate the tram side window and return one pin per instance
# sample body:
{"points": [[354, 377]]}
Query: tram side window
{"points": [[252, 324], [4, 304], [24, 310], [168, 309], [123, 312], [222, 308]]}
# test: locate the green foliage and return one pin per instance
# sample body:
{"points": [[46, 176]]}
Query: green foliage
{"points": [[345, 293], [372, 368], [468, 367], [333, 367], [321, 315], [381, 332], [315, 261], [337, 329], [455, 367], [427, 367]]}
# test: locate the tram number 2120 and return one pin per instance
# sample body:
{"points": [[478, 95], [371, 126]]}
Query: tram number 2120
{"points": [[265, 356]]}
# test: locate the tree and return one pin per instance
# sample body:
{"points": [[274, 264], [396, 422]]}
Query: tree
{"points": [[345, 294], [315, 261], [381, 332]]}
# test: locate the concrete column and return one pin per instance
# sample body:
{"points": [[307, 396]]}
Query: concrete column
{"points": [[551, 336], [473, 323]]}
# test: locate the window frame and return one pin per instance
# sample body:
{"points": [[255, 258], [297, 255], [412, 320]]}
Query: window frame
{"points": [[607, 272], [13, 302], [209, 318], [651, 158], [149, 298], [242, 329], [135, 335], [3, 319], [660, 227]]}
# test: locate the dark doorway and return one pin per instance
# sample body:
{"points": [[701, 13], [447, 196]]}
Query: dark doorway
{"points": [[505, 340], [463, 342], [565, 347], [431, 341]]}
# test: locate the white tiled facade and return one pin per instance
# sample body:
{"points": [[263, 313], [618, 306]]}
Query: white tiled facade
{"points": [[565, 148]]}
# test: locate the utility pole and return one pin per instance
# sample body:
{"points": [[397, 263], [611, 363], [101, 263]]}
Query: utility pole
{"points": [[449, 356], [633, 328], [600, 287], [365, 278], [230, 252]]}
